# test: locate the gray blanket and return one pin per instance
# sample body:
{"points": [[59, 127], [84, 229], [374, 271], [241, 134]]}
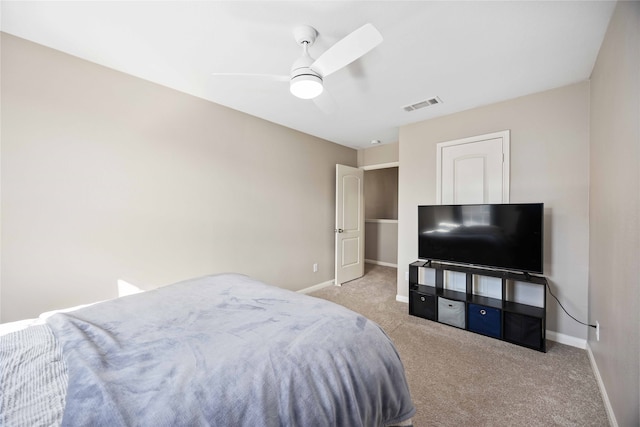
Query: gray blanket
{"points": [[226, 350]]}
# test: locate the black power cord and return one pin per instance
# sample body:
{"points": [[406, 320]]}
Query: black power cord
{"points": [[565, 310]]}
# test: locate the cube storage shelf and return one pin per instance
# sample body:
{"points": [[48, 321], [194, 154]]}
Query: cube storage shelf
{"points": [[517, 323]]}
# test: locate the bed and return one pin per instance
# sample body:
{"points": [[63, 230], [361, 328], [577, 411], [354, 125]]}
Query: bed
{"points": [[222, 350]]}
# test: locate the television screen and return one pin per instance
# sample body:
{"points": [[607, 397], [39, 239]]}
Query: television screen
{"points": [[503, 236]]}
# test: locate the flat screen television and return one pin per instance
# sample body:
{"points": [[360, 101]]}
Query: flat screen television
{"points": [[501, 236]]}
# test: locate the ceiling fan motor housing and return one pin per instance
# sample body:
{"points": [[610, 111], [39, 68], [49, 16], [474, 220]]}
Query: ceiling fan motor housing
{"points": [[302, 67]]}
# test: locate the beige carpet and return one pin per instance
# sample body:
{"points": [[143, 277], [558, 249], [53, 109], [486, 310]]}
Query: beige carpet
{"points": [[459, 378]]}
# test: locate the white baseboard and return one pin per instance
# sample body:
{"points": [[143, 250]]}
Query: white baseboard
{"points": [[402, 298], [566, 339], [382, 263], [316, 287], [603, 391]]}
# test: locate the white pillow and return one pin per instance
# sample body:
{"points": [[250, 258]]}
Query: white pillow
{"points": [[7, 328], [44, 316]]}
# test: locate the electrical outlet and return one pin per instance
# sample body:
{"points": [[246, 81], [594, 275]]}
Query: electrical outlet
{"points": [[315, 267], [406, 276], [597, 331]]}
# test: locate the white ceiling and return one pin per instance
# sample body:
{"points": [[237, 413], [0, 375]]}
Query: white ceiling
{"points": [[467, 53]]}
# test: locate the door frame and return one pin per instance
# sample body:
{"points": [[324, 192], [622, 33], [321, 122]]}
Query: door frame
{"points": [[506, 142], [381, 166], [364, 168]]}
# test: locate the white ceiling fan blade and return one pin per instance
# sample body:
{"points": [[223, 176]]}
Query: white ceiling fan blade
{"points": [[272, 77], [325, 102], [347, 50]]}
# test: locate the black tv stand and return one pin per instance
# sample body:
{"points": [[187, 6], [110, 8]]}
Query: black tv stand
{"points": [[500, 318]]}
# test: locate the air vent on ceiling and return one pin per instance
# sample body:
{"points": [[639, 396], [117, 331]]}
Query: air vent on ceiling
{"points": [[426, 103]]}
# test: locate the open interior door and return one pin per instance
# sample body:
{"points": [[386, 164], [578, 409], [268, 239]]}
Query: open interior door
{"points": [[349, 224]]}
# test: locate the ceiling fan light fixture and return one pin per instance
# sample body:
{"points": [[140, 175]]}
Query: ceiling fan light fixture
{"points": [[306, 86]]}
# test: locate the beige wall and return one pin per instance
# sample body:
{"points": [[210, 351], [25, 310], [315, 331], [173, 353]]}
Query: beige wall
{"points": [[381, 211], [381, 193], [106, 177], [549, 164], [376, 155], [381, 242], [614, 261]]}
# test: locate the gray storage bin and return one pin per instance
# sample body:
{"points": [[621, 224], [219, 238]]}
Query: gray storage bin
{"points": [[451, 312]]}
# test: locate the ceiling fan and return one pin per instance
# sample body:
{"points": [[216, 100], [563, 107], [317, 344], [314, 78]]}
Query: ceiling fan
{"points": [[307, 75]]}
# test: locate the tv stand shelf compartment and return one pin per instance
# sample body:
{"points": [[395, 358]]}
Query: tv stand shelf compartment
{"points": [[511, 321]]}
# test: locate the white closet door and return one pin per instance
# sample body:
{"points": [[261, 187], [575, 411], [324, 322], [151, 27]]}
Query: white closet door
{"points": [[474, 171]]}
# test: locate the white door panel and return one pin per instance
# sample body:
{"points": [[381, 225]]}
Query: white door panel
{"points": [[350, 212], [350, 251], [472, 172], [349, 224], [468, 179]]}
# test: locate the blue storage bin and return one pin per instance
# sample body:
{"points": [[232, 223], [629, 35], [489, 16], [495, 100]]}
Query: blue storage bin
{"points": [[484, 320]]}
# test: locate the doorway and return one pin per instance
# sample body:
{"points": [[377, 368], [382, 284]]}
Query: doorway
{"points": [[381, 215]]}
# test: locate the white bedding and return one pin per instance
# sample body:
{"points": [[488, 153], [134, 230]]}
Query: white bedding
{"points": [[9, 327], [33, 376], [18, 325]]}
